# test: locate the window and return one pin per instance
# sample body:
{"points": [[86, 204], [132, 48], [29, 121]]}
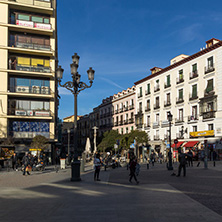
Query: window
{"points": [[37, 19], [132, 116], [148, 88], [157, 117], [23, 17], [194, 91], [194, 68], [210, 107], [194, 112], [180, 114], [148, 104], [140, 106], [127, 130], [180, 94], [127, 116], [132, 102], [126, 104], [168, 98], [181, 74], [157, 101], [148, 120], [194, 128], [168, 80], [132, 128], [210, 62], [210, 86], [210, 126], [141, 92]]}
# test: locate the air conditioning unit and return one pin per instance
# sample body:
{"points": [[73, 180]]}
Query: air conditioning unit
{"points": [[22, 89], [36, 89], [45, 90]]}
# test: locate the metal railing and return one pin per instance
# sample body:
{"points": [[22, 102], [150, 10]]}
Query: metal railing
{"points": [[193, 96], [167, 85], [193, 74], [209, 115], [209, 68], [179, 100], [157, 88], [180, 80], [167, 103], [41, 3], [26, 45], [192, 118], [31, 89]]}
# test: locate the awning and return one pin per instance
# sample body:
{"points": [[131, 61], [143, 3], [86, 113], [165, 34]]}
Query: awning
{"points": [[178, 144], [191, 143]]}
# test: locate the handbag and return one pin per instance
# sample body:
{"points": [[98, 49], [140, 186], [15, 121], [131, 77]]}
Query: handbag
{"points": [[28, 169]]}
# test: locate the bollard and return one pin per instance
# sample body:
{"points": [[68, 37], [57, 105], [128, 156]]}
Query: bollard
{"points": [[105, 167], [214, 163], [147, 166], [82, 167]]}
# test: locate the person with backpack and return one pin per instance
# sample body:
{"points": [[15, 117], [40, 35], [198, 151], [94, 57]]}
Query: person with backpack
{"points": [[183, 162]]}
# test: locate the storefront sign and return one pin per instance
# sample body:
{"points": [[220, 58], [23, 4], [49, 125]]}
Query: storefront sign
{"points": [[202, 133], [42, 26], [29, 113], [24, 23], [20, 113], [42, 113]]}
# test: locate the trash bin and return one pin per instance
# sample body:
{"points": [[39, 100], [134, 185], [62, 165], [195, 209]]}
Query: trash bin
{"points": [[62, 163]]}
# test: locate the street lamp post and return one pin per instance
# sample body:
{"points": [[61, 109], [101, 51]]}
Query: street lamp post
{"points": [[75, 86], [95, 128], [170, 165], [69, 159]]}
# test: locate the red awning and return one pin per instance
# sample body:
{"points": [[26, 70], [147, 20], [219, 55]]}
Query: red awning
{"points": [[191, 143], [178, 144]]}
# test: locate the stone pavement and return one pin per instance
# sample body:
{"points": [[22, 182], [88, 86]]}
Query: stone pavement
{"points": [[52, 197]]}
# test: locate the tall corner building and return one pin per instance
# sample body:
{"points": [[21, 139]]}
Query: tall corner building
{"points": [[28, 55]]}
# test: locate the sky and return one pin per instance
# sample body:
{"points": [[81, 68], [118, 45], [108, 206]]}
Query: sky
{"points": [[123, 39]]}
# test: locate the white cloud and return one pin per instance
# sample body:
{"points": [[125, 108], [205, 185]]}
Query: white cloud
{"points": [[64, 91]]}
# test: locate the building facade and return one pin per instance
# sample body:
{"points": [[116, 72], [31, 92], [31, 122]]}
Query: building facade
{"points": [[123, 104], [28, 55], [190, 88]]}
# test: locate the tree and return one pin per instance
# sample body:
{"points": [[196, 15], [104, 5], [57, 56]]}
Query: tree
{"points": [[39, 142], [140, 136], [108, 141]]}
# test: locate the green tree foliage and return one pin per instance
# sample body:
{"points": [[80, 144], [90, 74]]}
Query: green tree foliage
{"points": [[39, 142], [140, 136], [108, 141]]}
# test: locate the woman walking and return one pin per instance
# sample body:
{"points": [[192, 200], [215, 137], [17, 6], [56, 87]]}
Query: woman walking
{"points": [[97, 163], [132, 170]]}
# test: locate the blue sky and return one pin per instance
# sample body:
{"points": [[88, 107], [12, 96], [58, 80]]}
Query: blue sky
{"points": [[123, 39]]}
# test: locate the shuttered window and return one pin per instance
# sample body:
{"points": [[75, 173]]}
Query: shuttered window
{"points": [[23, 17], [23, 61], [36, 62]]}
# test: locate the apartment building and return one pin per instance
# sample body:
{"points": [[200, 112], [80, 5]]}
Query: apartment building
{"points": [[123, 104], [28, 54], [189, 88]]}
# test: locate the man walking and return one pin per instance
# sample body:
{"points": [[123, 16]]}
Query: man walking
{"points": [[14, 161], [133, 170], [26, 160], [183, 162]]}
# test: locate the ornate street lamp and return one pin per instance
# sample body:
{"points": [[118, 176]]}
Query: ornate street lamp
{"points": [[75, 86], [170, 165]]}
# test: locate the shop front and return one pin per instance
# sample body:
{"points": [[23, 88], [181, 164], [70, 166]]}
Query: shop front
{"points": [[6, 153]]}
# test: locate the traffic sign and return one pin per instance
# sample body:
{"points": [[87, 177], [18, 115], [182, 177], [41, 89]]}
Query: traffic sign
{"points": [[176, 141]]}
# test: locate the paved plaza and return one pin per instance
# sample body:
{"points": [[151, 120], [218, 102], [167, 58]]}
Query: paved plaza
{"points": [[51, 196]]}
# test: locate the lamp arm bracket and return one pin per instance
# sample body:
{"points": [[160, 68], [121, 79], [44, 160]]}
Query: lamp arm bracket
{"points": [[83, 86], [67, 85]]}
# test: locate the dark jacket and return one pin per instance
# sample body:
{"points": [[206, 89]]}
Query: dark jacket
{"points": [[183, 158], [133, 165], [26, 160], [14, 158]]}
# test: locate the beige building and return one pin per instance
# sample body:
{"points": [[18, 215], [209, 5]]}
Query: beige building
{"points": [[28, 55], [189, 88]]}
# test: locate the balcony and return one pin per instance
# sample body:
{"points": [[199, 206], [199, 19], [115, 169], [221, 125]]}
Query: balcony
{"points": [[147, 109], [120, 122], [156, 106], [166, 85], [40, 3], [179, 136], [131, 107], [116, 111], [156, 125], [131, 120], [193, 96], [33, 46], [167, 103], [139, 125], [166, 136], [180, 80], [116, 124], [139, 111], [146, 126], [139, 95], [157, 88], [192, 118], [156, 137], [165, 123], [209, 93], [120, 110], [209, 115], [179, 120], [30, 113], [44, 90], [209, 69], [179, 100], [147, 92], [126, 108], [194, 74], [126, 121]]}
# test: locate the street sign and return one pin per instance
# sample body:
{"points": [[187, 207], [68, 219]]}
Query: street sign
{"points": [[168, 146], [115, 146], [132, 146], [176, 141]]}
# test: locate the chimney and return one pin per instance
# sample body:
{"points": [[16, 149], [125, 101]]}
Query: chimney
{"points": [[211, 42], [155, 70]]}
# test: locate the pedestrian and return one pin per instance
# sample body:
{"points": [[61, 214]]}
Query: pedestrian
{"points": [[132, 170], [10, 64], [152, 158], [190, 158], [26, 160], [97, 164], [183, 162], [14, 63], [214, 157], [14, 161]]}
